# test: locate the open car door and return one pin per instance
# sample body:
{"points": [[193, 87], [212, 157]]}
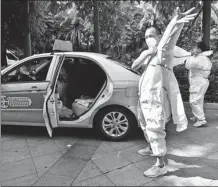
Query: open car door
{"points": [[50, 108]]}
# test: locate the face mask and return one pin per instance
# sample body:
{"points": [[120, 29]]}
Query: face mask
{"points": [[151, 42]]}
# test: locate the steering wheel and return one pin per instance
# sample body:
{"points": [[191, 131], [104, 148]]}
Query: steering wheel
{"points": [[32, 73], [24, 77]]}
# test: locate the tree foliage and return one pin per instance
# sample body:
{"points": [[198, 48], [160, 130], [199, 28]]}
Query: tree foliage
{"points": [[12, 23], [122, 26]]}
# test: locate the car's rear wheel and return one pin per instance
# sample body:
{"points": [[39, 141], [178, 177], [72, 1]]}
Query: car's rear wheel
{"points": [[114, 123]]}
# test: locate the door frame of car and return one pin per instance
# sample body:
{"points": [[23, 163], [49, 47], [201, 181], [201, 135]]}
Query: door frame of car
{"points": [[41, 90], [50, 103], [103, 97]]}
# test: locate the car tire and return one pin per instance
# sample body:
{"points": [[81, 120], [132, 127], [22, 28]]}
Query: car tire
{"points": [[124, 123]]}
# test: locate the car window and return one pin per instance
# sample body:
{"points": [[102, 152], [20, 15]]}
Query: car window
{"points": [[83, 61], [29, 71], [121, 64], [11, 57]]}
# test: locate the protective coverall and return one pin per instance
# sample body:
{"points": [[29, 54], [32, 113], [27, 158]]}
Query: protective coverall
{"points": [[159, 92], [199, 70]]}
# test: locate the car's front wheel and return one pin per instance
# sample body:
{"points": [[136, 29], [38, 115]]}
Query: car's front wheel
{"points": [[114, 123]]}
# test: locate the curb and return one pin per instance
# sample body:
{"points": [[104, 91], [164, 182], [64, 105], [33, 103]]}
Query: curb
{"points": [[209, 108]]}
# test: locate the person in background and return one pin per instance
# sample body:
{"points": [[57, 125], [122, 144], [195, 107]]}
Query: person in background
{"points": [[159, 93], [199, 67]]}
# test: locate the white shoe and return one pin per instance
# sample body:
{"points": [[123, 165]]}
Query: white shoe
{"points": [[199, 123], [193, 118], [155, 171], [181, 127], [146, 152]]}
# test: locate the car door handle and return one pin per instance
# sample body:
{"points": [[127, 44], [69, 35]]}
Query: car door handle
{"points": [[35, 88]]}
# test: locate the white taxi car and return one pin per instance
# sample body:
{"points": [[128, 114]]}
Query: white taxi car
{"points": [[71, 89]]}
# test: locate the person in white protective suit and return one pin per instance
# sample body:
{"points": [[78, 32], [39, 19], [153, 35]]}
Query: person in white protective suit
{"points": [[199, 67], [159, 93]]}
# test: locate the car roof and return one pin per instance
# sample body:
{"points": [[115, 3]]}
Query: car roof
{"points": [[115, 70], [91, 54]]}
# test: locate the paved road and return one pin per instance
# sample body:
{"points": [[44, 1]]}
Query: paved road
{"points": [[74, 157]]}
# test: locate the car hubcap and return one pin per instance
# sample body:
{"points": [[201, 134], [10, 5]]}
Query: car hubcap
{"points": [[115, 124]]}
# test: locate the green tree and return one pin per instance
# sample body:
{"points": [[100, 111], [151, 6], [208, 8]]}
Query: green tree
{"points": [[27, 35], [12, 25]]}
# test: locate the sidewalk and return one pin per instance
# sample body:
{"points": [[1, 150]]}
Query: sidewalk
{"points": [[75, 158]]}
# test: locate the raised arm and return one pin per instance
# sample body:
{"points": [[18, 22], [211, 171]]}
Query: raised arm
{"points": [[173, 30], [140, 60], [143, 56], [171, 35]]}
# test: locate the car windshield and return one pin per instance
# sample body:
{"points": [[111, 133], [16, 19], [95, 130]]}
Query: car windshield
{"points": [[121, 64]]}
